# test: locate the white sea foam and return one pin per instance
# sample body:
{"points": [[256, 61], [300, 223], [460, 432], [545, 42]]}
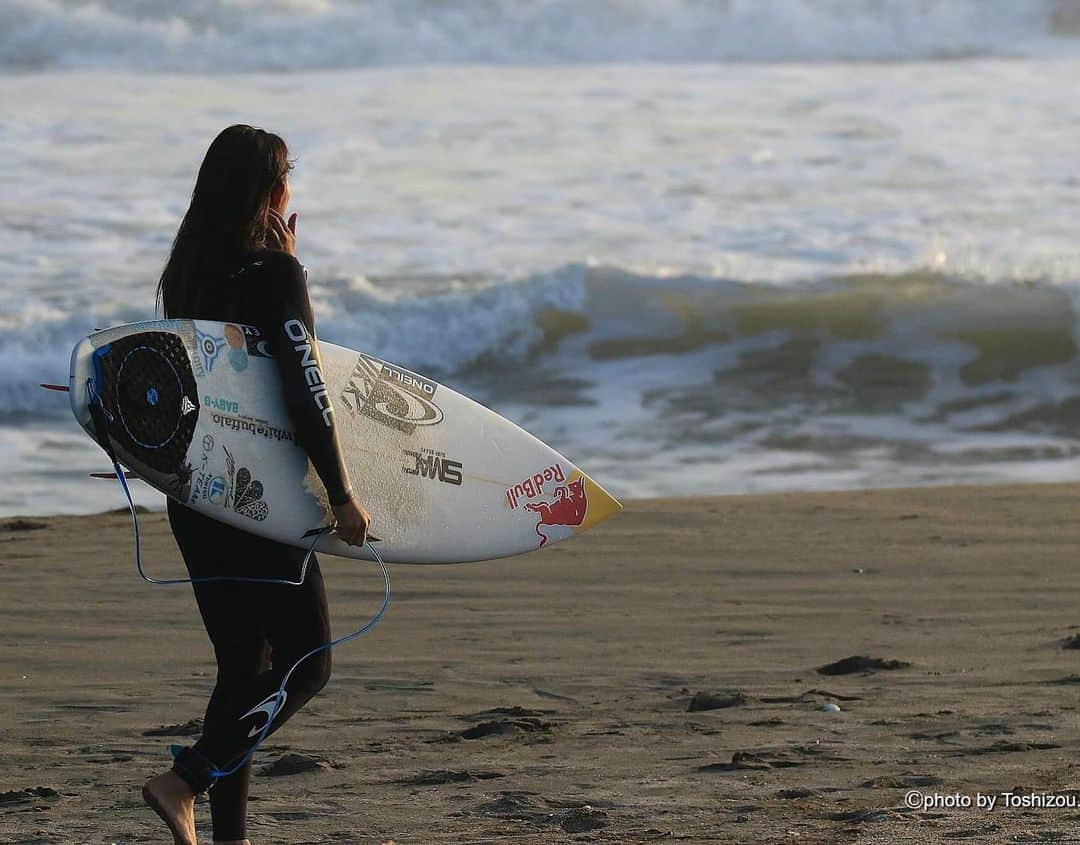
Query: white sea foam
{"points": [[298, 34], [691, 278]]}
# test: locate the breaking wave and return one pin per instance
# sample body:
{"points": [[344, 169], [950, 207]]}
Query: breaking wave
{"points": [[916, 347], [212, 35]]}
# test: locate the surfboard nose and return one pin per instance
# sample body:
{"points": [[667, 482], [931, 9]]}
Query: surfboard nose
{"points": [[600, 504]]}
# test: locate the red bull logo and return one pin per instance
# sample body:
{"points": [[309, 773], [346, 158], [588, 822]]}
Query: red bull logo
{"points": [[568, 508], [533, 486]]}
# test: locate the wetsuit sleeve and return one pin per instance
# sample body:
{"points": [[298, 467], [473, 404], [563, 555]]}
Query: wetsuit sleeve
{"points": [[289, 325]]}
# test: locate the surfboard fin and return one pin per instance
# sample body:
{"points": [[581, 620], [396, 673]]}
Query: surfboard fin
{"points": [[371, 537], [111, 476], [59, 388]]}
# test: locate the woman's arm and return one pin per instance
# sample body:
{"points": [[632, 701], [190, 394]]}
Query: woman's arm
{"points": [[352, 518], [287, 320], [289, 325]]}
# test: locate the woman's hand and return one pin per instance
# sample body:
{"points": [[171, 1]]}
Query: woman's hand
{"points": [[282, 235], [352, 522]]}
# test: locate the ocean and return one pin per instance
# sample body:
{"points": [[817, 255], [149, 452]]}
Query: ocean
{"points": [[698, 247]]}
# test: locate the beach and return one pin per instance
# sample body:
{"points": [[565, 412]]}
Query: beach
{"points": [[554, 697], [797, 281]]}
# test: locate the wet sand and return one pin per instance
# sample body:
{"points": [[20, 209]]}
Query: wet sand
{"points": [[547, 698]]}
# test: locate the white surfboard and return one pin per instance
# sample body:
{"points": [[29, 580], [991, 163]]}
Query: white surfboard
{"points": [[194, 408]]}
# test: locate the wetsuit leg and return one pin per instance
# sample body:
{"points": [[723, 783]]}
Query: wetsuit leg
{"points": [[228, 805], [241, 656], [240, 668], [241, 620]]}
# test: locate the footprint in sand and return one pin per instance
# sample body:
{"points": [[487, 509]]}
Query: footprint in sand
{"points": [[702, 701], [861, 664], [571, 816], [32, 798], [296, 764], [443, 776], [192, 727]]}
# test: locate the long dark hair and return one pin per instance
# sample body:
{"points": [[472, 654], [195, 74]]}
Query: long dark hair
{"points": [[227, 217]]}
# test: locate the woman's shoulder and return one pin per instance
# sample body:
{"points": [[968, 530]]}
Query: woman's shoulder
{"points": [[271, 267], [270, 259]]}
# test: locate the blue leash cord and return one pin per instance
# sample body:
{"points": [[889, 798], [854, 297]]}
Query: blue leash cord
{"points": [[280, 696]]}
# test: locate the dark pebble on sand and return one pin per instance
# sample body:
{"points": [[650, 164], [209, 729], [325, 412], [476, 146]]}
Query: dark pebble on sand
{"points": [[514, 712], [1071, 641], [192, 727], [554, 696], [504, 726], [530, 807], [441, 776], [22, 525], [715, 701], [805, 696], [445, 739], [1004, 747], [582, 819], [521, 806], [901, 781], [859, 816], [740, 760], [294, 764], [858, 663], [797, 793], [21, 796]]}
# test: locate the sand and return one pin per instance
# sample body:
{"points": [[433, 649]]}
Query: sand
{"points": [[546, 698]]}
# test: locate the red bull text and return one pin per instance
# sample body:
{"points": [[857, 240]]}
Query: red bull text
{"points": [[533, 486]]}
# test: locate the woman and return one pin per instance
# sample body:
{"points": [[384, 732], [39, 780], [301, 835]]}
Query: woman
{"points": [[234, 260]]}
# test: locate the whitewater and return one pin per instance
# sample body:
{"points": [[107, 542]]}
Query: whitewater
{"points": [[723, 247]]}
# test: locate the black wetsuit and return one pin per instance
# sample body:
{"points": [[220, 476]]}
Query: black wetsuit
{"points": [[258, 630]]}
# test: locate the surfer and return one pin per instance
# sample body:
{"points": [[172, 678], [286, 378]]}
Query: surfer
{"points": [[233, 260]]}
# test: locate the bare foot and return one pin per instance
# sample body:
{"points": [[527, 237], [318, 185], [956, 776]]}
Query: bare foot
{"points": [[169, 797]]}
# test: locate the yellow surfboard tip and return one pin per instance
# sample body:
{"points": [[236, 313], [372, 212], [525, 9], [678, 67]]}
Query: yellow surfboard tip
{"points": [[600, 503]]}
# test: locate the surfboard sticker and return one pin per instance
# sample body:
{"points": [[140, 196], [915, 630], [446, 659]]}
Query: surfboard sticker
{"points": [[445, 479], [390, 395], [149, 394]]}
